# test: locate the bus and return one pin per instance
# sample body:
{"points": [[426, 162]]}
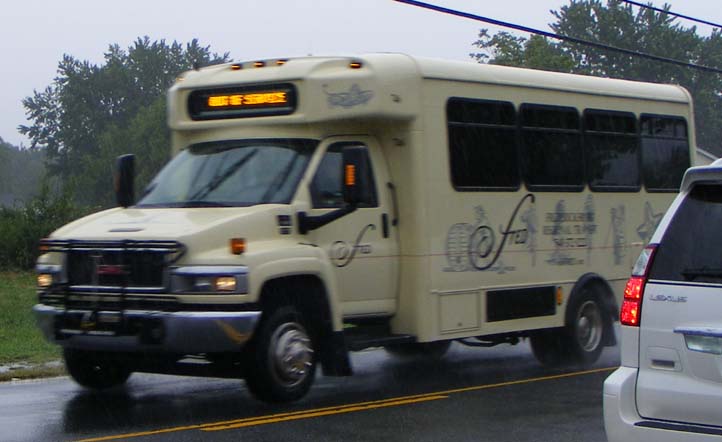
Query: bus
{"points": [[316, 206]]}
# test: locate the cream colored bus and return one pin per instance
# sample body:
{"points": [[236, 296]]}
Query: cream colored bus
{"points": [[320, 205]]}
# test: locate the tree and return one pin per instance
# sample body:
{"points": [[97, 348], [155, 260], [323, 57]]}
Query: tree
{"points": [[21, 171], [616, 23], [536, 52], [91, 112]]}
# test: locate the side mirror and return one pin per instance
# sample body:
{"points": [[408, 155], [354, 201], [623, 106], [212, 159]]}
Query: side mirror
{"points": [[355, 173], [123, 178]]}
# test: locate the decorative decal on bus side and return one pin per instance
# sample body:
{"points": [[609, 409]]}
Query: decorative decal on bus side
{"points": [[342, 253], [569, 231], [649, 224], [474, 247], [354, 97], [619, 241]]}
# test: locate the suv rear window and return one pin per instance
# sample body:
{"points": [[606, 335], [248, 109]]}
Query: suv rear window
{"points": [[691, 248]]}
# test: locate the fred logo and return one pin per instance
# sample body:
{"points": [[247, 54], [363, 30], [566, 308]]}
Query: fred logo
{"points": [[343, 253], [478, 247]]}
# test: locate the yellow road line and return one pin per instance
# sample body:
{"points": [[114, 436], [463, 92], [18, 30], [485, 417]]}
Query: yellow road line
{"points": [[327, 411], [341, 410]]}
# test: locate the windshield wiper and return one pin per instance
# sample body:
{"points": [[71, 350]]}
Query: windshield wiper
{"points": [[219, 179], [276, 184], [692, 274]]}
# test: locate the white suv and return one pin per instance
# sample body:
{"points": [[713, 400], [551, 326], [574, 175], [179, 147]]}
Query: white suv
{"points": [[669, 385]]}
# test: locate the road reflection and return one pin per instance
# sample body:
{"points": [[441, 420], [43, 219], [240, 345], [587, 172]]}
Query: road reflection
{"points": [[156, 404]]}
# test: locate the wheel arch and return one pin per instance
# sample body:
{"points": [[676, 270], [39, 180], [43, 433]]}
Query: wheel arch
{"points": [[309, 295]]}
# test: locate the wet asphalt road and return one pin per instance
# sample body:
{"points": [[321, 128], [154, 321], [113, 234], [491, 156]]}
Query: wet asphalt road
{"points": [[473, 394]]}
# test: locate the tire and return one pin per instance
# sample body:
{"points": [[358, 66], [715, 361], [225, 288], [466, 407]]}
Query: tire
{"points": [[430, 350], [581, 341], [95, 370], [281, 361]]}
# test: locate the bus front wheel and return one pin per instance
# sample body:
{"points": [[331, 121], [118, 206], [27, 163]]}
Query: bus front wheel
{"points": [[95, 370], [281, 363]]}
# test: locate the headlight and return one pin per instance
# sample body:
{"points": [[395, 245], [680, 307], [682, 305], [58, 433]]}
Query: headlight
{"points": [[210, 280], [45, 280], [47, 275]]}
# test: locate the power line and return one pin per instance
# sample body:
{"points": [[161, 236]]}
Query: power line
{"points": [[559, 36], [686, 17]]}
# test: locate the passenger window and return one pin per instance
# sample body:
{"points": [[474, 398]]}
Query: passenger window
{"points": [[326, 187], [551, 148], [482, 144], [612, 151], [665, 152]]}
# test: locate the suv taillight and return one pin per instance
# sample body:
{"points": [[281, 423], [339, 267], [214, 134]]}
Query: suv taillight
{"points": [[631, 312]]}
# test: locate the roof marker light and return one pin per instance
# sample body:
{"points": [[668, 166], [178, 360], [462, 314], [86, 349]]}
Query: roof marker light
{"points": [[355, 65], [236, 67], [259, 64]]}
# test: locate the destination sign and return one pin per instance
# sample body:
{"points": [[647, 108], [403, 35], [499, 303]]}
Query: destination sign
{"points": [[242, 102]]}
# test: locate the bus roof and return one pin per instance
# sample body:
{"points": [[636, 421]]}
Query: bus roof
{"points": [[538, 79], [465, 71]]}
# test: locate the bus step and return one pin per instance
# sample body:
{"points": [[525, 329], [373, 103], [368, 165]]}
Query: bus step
{"points": [[360, 341]]}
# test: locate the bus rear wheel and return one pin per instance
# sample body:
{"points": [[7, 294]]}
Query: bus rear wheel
{"points": [[581, 340]]}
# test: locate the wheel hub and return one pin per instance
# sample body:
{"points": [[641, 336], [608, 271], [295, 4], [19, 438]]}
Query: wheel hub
{"points": [[292, 355], [589, 326]]}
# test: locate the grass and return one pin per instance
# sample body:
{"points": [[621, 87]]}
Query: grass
{"points": [[20, 339]]}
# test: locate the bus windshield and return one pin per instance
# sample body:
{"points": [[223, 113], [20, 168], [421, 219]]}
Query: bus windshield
{"points": [[231, 174]]}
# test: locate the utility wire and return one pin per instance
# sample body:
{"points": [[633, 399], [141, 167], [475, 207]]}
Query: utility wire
{"points": [[686, 17], [559, 36]]}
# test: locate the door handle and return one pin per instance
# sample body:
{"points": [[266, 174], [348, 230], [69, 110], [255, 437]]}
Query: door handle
{"points": [[385, 225]]}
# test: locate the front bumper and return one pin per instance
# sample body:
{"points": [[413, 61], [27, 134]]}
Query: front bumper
{"points": [[141, 331]]}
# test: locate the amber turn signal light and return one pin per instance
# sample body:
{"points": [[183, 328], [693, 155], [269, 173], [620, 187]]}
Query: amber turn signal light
{"points": [[238, 246]]}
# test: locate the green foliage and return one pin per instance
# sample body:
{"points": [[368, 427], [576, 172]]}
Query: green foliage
{"points": [[616, 23], [20, 338], [92, 112], [22, 228], [536, 52], [145, 135], [20, 173]]}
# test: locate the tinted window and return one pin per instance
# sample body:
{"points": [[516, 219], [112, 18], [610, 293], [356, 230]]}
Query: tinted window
{"points": [[612, 151], [665, 152], [551, 148], [327, 188], [690, 248], [482, 145]]}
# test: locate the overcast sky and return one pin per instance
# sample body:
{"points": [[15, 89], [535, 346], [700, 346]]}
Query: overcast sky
{"points": [[34, 34]]}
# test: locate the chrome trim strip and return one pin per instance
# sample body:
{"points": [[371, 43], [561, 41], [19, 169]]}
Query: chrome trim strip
{"points": [[681, 427], [684, 283], [700, 331], [48, 268], [210, 270], [115, 290]]}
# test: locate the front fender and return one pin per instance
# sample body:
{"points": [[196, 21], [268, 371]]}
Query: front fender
{"points": [[298, 260]]}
